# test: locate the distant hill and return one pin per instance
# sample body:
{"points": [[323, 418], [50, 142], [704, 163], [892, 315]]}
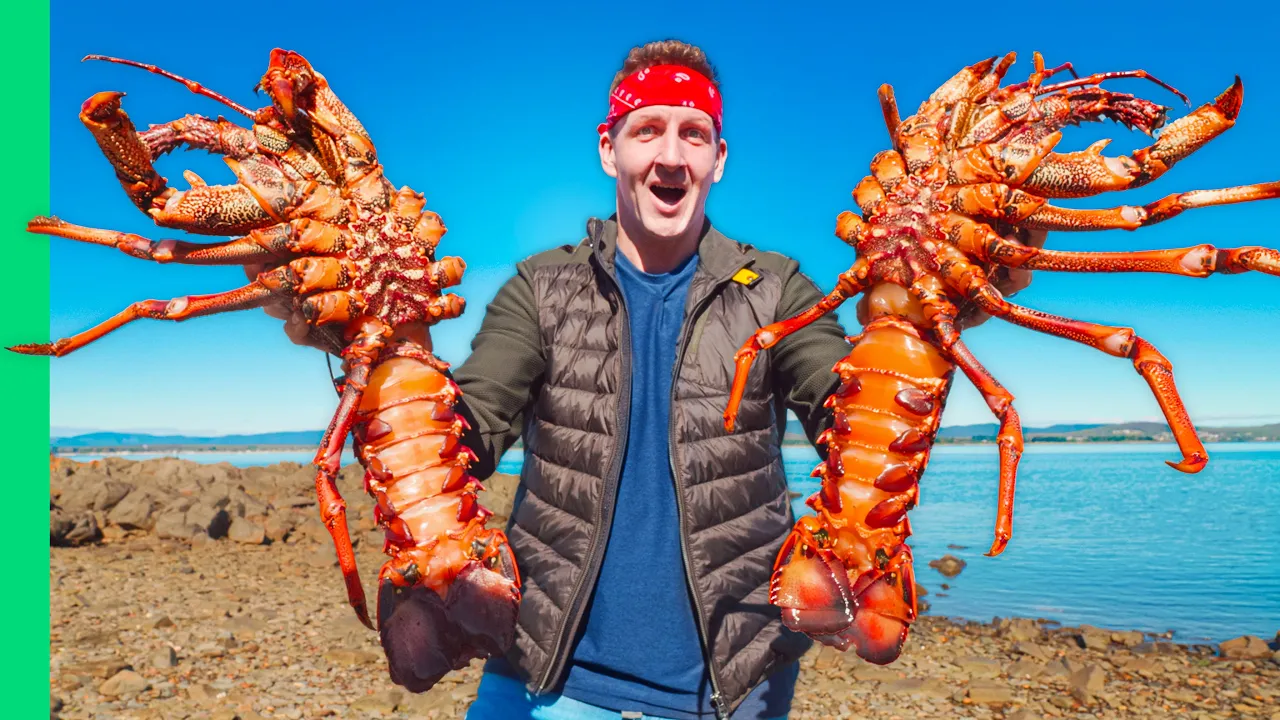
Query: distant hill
{"points": [[308, 438]]}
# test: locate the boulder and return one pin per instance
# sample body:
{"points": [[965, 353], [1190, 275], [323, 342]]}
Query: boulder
{"points": [[124, 683], [134, 512], [1087, 682], [246, 532], [212, 521], [173, 525], [949, 565], [1245, 647], [69, 530]]}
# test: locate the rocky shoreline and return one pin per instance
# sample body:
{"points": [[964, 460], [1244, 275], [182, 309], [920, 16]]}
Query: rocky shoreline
{"points": [[181, 590]]}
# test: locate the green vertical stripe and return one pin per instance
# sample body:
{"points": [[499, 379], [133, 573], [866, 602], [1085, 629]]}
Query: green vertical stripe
{"points": [[24, 85]]}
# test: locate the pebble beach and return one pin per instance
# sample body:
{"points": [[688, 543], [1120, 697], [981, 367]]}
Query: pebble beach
{"points": [[210, 592]]}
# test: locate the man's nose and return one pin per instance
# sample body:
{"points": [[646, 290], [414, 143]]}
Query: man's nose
{"points": [[669, 154]]}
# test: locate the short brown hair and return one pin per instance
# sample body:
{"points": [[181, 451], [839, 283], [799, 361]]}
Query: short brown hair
{"points": [[666, 52]]}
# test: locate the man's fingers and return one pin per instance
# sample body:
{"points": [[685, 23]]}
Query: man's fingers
{"points": [[278, 310], [296, 327], [1019, 279], [1015, 280], [1034, 238]]}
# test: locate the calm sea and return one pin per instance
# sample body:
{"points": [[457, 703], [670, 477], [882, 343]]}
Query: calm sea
{"points": [[1103, 534]]}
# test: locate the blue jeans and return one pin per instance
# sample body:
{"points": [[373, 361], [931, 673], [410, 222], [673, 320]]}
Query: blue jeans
{"points": [[502, 698]]}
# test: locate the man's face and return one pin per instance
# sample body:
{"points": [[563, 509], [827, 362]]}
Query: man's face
{"points": [[665, 159]]}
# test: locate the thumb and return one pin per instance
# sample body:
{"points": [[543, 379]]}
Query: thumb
{"points": [[297, 328]]}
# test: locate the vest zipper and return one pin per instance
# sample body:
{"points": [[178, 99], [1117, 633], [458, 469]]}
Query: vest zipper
{"points": [[717, 699], [604, 511]]}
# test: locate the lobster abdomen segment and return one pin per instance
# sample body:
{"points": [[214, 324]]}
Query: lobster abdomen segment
{"points": [[462, 577], [851, 558]]}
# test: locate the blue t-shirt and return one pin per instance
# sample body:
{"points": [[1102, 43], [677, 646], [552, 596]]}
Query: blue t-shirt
{"points": [[639, 647]]}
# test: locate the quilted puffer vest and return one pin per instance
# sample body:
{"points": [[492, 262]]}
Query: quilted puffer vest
{"points": [[731, 488]]}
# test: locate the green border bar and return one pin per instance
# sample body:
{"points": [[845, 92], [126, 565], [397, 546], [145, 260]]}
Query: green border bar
{"points": [[23, 524]]}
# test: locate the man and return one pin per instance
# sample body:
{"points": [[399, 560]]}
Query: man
{"points": [[645, 534]]}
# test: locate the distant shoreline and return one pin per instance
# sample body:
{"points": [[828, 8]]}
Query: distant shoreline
{"points": [[241, 450]]}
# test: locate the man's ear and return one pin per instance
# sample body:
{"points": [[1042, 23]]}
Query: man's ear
{"points": [[722, 154], [608, 161]]}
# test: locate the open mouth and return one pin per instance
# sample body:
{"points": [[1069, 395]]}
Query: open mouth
{"points": [[668, 194]]}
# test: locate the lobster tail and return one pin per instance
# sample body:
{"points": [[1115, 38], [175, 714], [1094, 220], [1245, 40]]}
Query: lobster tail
{"points": [[845, 575], [450, 591]]}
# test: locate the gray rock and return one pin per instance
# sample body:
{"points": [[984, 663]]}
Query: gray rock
{"points": [[1128, 639], [988, 692], [1025, 669], [382, 702], [1091, 638], [173, 525], [979, 667], [124, 683], [84, 489], [212, 521], [949, 565], [160, 623], [247, 532], [1020, 629], [1245, 647], [249, 506], [278, 526], [1034, 650], [164, 658], [295, 501], [1087, 682], [109, 494], [134, 512], [73, 530], [343, 656]]}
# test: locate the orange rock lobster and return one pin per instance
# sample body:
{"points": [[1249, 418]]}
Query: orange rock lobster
{"points": [[975, 161], [356, 255]]}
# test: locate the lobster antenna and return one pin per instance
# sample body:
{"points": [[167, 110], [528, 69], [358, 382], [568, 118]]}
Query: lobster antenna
{"points": [[192, 85], [333, 377]]}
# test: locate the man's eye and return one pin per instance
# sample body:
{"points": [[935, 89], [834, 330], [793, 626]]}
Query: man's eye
{"points": [[646, 130], [695, 134]]}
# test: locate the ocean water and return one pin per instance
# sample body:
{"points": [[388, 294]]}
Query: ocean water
{"points": [[1103, 534]]}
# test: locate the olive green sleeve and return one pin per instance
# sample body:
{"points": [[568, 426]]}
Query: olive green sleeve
{"points": [[802, 361], [501, 376]]}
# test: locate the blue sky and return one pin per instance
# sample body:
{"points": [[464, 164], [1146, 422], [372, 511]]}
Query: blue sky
{"points": [[490, 111]]}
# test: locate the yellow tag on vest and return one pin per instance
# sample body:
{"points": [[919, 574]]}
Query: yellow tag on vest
{"points": [[746, 277]]}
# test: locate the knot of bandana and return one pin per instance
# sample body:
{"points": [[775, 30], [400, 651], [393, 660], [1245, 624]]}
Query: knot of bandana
{"points": [[663, 85]]}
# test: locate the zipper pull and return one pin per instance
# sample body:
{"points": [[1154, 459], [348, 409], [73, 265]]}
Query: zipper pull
{"points": [[717, 702]]}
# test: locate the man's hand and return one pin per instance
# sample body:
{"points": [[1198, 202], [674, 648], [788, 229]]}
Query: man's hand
{"points": [[296, 327], [1009, 281]]}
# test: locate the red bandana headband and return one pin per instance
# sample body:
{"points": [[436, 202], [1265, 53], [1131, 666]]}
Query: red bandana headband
{"points": [[663, 85]]}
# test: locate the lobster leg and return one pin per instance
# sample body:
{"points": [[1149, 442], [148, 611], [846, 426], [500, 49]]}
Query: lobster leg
{"points": [[1129, 217], [239, 251], [1120, 342], [253, 295], [221, 137], [1087, 172], [333, 509], [850, 284], [1199, 261], [941, 313]]}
